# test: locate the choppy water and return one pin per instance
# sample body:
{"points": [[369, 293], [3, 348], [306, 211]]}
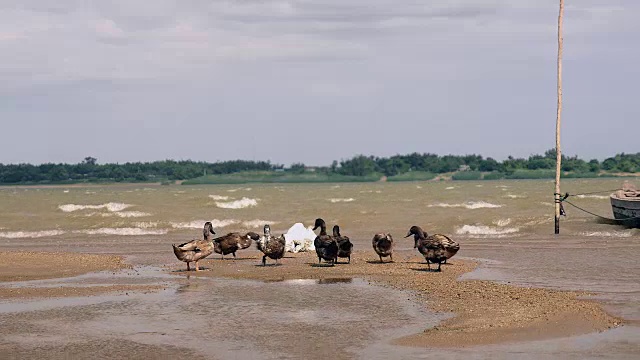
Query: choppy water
{"points": [[509, 224], [466, 209]]}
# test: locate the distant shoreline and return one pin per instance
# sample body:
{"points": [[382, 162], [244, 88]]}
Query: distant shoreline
{"points": [[276, 178]]}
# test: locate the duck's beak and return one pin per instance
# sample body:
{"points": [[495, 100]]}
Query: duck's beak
{"points": [[409, 234]]}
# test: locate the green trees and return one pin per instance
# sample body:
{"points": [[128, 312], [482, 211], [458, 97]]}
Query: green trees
{"points": [[360, 165]]}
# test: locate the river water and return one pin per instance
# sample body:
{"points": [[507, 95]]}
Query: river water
{"points": [[506, 224]]}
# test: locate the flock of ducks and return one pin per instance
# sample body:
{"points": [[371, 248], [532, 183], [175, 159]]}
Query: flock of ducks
{"points": [[436, 248]]}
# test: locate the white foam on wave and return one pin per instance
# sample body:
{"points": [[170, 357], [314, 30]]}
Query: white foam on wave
{"points": [[198, 224], [513, 196], [502, 222], [336, 200], [468, 205], [238, 204], [112, 206], [30, 234], [485, 230], [219, 197], [601, 197], [66, 191], [123, 231], [607, 233], [146, 224], [450, 188], [129, 214], [257, 223]]}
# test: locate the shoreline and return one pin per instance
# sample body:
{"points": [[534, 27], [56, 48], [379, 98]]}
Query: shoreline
{"points": [[484, 312]]}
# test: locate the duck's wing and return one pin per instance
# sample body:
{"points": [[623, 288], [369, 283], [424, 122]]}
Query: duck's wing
{"points": [[189, 246]]}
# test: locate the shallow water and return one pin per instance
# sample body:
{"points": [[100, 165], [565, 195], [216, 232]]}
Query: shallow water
{"points": [[508, 224], [228, 318]]}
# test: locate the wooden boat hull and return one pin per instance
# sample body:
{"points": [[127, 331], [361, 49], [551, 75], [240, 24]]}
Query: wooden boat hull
{"points": [[626, 211]]}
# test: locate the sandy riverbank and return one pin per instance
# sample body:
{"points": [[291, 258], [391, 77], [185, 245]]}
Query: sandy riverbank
{"points": [[486, 312]]}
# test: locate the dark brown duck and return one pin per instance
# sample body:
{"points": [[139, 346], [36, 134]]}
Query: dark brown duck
{"points": [[383, 245], [450, 247], [430, 247], [232, 242], [326, 246], [345, 247]]}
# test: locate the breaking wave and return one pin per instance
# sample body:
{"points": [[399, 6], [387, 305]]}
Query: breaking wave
{"points": [[513, 196], [602, 197], [485, 230], [109, 206], [237, 204], [128, 214], [450, 188], [342, 200], [219, 197], [30, 234], [123, 231], [198, 224], [468, 205]]}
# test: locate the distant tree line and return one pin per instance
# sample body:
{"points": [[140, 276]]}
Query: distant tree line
{"points": [[88, 170]]}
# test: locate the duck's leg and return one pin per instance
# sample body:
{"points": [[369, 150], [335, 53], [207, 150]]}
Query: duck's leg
{"points": [[428, 265], [445, 261], [188, 267], [319, 260], [439, 266], [197, 267], [381, 258], [264, 260], [349, 259], [234, 254], [391, 257]]}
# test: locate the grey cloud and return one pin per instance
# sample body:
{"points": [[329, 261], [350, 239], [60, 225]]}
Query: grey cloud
{"points": [[473, 75]]}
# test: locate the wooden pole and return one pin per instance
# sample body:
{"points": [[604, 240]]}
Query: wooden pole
{"points": [[558, 114]]}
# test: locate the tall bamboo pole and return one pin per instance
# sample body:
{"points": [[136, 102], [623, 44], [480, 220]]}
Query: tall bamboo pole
{"points": [[558, 114]]}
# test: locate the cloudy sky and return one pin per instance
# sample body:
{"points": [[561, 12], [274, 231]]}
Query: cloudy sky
{"points": [[313, 80]]}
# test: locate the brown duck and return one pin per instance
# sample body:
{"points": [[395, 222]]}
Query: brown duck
{"points": [[450, 247], [326, 246], [430, 247], [232, 242], [383, 245], [196, 250], [272, 247], [345, 247]]}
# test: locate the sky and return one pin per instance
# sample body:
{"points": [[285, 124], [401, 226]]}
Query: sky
{"points": [[313, 81]]}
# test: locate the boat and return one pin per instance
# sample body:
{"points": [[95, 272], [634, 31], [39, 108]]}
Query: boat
{"points": [[625, 204]]}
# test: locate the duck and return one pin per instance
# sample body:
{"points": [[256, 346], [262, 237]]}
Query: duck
{"points": [[272, 247], [383, 245], [450, 247], [326, 246], [196, 250], [232, 242], [430, 247], [344, 244]]}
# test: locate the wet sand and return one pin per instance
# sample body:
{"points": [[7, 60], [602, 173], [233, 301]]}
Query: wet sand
{"points": [[479, 312]]}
